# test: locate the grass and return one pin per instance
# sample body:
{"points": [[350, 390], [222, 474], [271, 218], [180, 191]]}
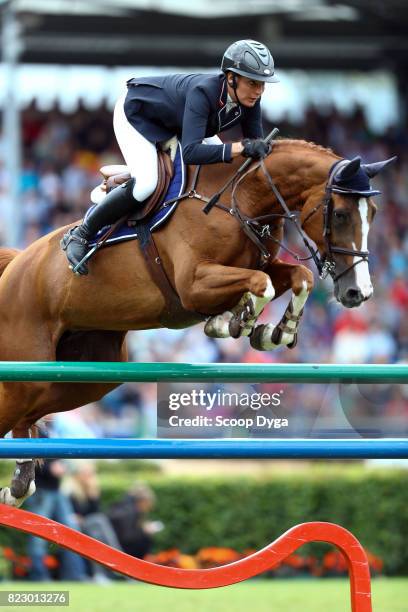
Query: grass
{"points": [[389, 595]]}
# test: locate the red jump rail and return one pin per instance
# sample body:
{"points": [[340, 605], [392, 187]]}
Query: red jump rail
{"points": [[263, 560]]}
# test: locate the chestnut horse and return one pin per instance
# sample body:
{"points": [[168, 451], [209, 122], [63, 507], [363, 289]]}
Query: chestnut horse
{"points": [[47, 313]]}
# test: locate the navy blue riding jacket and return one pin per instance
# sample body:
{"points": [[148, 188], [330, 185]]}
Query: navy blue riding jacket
{"points": [[192, 107]]}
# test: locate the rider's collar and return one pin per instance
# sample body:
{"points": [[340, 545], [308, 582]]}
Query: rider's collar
{"points": [[230, 104], [223, 95]]}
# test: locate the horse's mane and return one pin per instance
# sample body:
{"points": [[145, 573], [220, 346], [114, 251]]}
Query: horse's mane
{"points": [[305, 144]]}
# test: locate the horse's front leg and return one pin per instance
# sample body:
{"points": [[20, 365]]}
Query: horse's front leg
{"points": [[285, 276], [238, 294]]}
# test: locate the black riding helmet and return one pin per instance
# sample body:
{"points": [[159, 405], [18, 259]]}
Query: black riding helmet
{"points": [[250, 59]]}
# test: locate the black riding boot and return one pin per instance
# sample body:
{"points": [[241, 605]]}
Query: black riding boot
{"points": [[118, 203]]}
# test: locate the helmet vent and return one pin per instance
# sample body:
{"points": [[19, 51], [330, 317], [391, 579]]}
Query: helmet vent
{"points": [[261, 51], [251, 61]]}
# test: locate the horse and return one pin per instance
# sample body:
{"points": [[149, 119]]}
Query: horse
{"points": [[222, 266]]}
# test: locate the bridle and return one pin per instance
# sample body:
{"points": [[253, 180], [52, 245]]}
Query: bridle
{"points": [[258, 228], [327, 204]]}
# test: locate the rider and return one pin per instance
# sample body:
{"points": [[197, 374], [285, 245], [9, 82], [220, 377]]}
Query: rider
{"points": [[191, 106]]}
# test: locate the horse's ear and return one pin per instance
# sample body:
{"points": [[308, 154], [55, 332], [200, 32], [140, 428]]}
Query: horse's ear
{"points": [[349, 170], [373, 169]]}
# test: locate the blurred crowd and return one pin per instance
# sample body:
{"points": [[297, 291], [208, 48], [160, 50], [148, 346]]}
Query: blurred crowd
{"points": [[69, 492], [62, 156]]}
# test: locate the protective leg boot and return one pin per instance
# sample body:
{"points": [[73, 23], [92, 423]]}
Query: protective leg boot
{"points": [[117, 204]]}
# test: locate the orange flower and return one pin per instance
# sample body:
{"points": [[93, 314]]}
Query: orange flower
{"points": [[51, 562], [169, 557], [213, 556], [9, 553]]}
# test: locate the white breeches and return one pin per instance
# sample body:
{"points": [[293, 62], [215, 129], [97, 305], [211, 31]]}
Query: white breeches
{"points": [[139, 154]]}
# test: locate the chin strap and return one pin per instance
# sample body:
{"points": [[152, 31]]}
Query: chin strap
{"points": [[235, 86]]}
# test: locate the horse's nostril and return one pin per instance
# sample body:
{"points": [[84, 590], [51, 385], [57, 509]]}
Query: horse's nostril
{"points": [[353, 294]]}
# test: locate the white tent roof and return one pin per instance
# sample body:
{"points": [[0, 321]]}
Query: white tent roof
{"points": [[302, 8]]}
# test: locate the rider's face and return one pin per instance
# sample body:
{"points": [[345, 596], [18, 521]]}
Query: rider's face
{"points": [[248, 90]]}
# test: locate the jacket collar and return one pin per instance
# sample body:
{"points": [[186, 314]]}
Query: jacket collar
{"points": [[222, 99], [224, 118]]}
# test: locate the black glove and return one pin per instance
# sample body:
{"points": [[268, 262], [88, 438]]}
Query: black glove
{"points": [[255, 148]]}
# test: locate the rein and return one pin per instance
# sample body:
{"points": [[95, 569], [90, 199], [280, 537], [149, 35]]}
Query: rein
{"points": [[251, 225]]}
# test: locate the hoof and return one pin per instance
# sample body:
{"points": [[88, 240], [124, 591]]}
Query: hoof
{"points": [[293, 343], [277, 334], [261, 338], [7, 498], [269, 337]]}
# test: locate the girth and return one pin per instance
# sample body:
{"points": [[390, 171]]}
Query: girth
{"points": [[174, 315]]}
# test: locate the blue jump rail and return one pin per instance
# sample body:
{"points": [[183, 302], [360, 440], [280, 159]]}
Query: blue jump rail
{"points": [[72, 448]]}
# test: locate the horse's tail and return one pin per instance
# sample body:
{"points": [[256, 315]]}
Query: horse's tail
{"points": [[6, 256]]}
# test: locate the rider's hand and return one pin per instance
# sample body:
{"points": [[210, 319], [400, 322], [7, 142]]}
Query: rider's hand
{"points": [[255, 148]]}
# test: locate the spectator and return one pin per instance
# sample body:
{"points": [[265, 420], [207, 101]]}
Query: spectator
{"points": [[82, 487], [49, 501], [128, 517]]}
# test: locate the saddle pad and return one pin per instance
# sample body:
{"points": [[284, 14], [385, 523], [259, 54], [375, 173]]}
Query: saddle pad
{"points": [[176, 188]]}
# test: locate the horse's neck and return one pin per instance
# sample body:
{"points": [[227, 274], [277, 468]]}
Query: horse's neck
{"points": [[297, 169]]}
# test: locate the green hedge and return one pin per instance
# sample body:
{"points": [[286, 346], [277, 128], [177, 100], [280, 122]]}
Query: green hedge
{"points": [[249, 512]]}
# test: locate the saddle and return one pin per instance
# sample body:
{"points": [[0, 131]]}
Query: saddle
{"points": [[115, 175]]}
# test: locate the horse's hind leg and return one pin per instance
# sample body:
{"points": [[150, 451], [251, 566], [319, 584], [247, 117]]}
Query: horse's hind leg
{"points": [[54, 397], [24, 397], [30, 341], [23, 481]]}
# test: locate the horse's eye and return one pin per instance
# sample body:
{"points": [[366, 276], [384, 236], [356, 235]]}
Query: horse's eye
{"points": [[340, 215]]}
